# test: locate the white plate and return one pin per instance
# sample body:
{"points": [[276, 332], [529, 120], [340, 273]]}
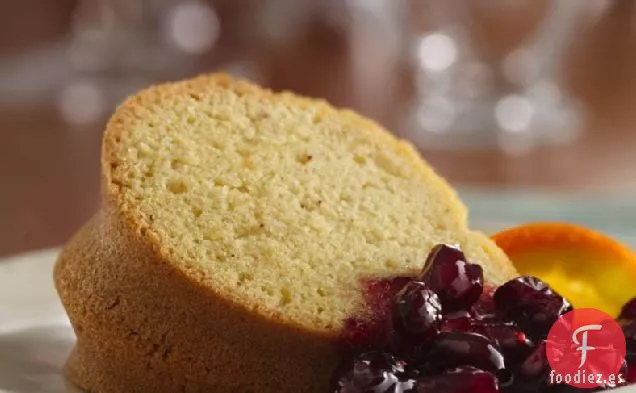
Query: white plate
{"points": [[35, 335]]}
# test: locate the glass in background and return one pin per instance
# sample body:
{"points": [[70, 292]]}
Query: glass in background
{"points": [[487, 72], [113, 48], [117, 47]]}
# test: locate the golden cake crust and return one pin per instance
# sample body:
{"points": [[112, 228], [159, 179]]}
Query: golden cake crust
{"points": [[143, 324]]}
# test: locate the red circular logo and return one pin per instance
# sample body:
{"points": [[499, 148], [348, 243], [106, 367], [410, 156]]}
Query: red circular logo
{"points": [[585, 349]]}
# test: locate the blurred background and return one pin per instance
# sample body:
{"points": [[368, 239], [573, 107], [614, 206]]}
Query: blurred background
{"points": [[527, 106]]}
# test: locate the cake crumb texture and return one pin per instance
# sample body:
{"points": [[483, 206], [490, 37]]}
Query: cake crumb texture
{"points": [[236, 228], [279, 201]]}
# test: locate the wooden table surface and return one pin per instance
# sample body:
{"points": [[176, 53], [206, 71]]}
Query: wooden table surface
{"points": [[49, 178]]}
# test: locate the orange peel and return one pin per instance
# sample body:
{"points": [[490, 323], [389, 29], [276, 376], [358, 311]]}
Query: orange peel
{"points": [[587, 267]]}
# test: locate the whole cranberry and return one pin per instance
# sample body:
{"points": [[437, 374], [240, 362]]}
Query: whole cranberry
{"points": [[629, 329], [509, 339], [629, 310], [417, 311], [532, 374], [458, 321], [455, 349], [630, 376], [458, 283], [372, 372], [484, 309], [530, 303], [536, 365], [464, 379]]}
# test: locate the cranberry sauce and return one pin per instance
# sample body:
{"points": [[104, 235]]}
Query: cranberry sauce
{"points": [[371, 329], [458, 283], [443, 331], [530, 303], [373, 372], [459, 380]]}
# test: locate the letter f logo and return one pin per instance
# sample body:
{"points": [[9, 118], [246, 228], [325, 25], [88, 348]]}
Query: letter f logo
{"points": [[583, 344], [601, 353]]}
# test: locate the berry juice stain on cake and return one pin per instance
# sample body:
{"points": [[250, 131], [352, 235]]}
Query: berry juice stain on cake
{"points": [[372, 328], [445, 331]]}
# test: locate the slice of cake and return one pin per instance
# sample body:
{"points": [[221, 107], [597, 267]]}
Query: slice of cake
{"points": [[237, 230]]}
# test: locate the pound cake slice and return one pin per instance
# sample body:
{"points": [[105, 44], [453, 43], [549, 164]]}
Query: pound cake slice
{"points": [[237, 228]]}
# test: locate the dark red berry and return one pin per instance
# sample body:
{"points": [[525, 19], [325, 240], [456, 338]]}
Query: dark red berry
{"points": [[417, 311], [484, 309], [458, 321], [465, 379], [509, 339], [455, 349], [372, 372], [629, 329], [536, 365], [531, 304], [532, 375], [629, 310], [630, 376], [458, 283]]}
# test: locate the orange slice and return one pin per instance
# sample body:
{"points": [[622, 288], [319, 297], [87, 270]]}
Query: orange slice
{"points": [[587, 267]]}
